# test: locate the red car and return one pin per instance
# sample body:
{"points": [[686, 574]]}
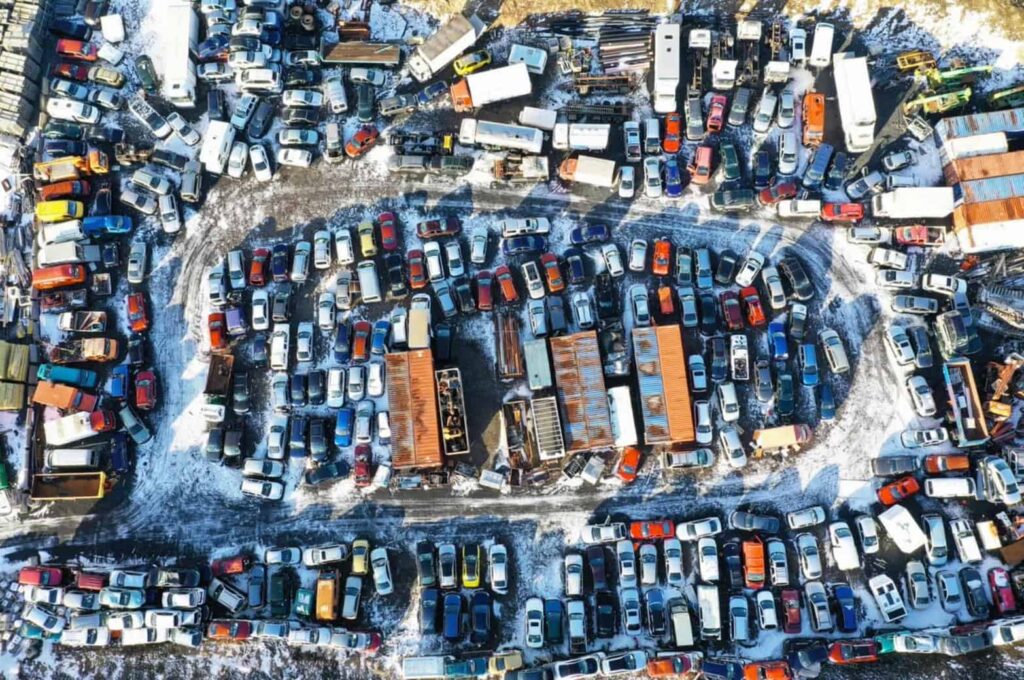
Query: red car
{"points": [[791, 618], [70, 71], [449, 226], [216, 323], [1002, 591], [552, 272], [628, 465], [673, 133], [40, 576], [506, 283], [137, 318], [77, 49], [145, 390], [229, 566], [752, 306], [700, 167], [661, 261], [853, 651], [767, 670], [361, 142], [716, 113], [893, 493], [779, 192], [731, 311], [388, 230], [417, 269], [102, 421], [258, 267], [361, 340], [363, 458], [920, 235], [229, 630], [655, 528], [842, 212], [484, 291]]}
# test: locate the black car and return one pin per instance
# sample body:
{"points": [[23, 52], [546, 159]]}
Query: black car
{"points": [[430, 605], [93, 11], [57, 129], [719, 359], [597, 559], [327, 472], [836, 176], [887, 466], [170, 159], [240, 393], [657, 619], [708, 313], [102, 202], [557, 322], [752, 521], [606, 298], [244, 43], [215, 444], [301, 116], [216, 105], [443, 339], [480, 617], [136, 350], [575, 266], [259, 350], [297, 436], [785, 397], [731, 552], [365, 109], [554, 622], [296, 76], [464, 295], [297, 391], [301, 40], [70, 28], [104, 134], [111, 255], [726, 269], [58, 148], [341, 348], [261, 119], [974, 592], [426, 564], [315, 387], [317, 440], [799, 283], [280, 591], [606, 614], [119, 463], [395, 268], [762, 170]]}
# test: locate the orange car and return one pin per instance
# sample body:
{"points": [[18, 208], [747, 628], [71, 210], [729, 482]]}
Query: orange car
{"points": [[946, 462], [893, 493], [216, 323], [652, 528], [361, 141], [629, 463], [229, 630], [767, 670], [552, 272], [700, 168], [753, 564], [752, 304], [669, 666], [507, 284], [673, 133], [662, 257], [666, 304], [137, 318]]}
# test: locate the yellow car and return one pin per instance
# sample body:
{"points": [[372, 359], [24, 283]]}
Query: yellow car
{"points": [[360, 555], [471, 566], [472, 62]]}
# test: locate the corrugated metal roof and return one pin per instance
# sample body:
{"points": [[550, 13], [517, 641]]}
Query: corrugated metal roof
{"points": [[579, 379], [984, 167], [1010, 120], [412, 406], [664, 388], [991, 189], [547, 428]]}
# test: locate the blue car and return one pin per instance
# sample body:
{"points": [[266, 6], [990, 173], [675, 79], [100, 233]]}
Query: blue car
{"points": [[432, 92], [119, 453], [117, 383], [828, 402], [379, 339], [343, 427], [522, 245], [106, 224], [575, 266], [279, 263], [846, 608], [778, 341], [808, 365], [452, 629], [589, 233], [58, 148], [342, 344], [673, 179], [719, 669]]}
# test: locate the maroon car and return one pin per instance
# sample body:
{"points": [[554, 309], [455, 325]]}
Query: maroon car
{"points": [[449, 226], [228, 566], [388, 230], [731, 312], [363, 460], [484, 293], [258, 267], [791, 621], [1002, 591], [779, 192]]}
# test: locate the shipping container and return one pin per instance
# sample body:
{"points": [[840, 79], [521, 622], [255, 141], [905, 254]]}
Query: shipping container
{"points": [[984, 167], [993, 225], [664, 385], [782, 437], [538, 364], [412, 405], [547, 429], [579, 379], [954, 127], [991, 189], [969, 147]]}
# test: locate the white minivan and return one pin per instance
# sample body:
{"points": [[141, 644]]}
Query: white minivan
{"points": [[950, 487], [728, 404], [710, 612], [821, 49], [369, 283], [73, 458]]}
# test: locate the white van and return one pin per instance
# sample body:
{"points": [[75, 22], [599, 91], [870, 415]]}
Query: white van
{"points": [[710, 612], [950, 487], [60, 232], [369, 283], [728, 404], [936, 548], [652, 136], [796, 207], [259, 79], [679, 619], [280, 340], [72, 458], [544, 119], [527, 225], [821, 50]]}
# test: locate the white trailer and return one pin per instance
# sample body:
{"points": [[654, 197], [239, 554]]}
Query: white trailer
{"points": [[581, 136], [179, 40], [598, 172], [667, 60], [68, 429], [620, 406], [544, 119], [536, 59], [856, 101], [494, 85], [440, 49], [913, 203], [491, 135], [220, 136]]}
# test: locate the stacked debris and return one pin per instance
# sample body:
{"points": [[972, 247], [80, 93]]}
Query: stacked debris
{"points": [[624, 43]]}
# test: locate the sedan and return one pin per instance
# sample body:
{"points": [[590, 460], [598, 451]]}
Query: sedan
{"points": [[534, 623], [808, 556], [698, 528], [921, 396]]}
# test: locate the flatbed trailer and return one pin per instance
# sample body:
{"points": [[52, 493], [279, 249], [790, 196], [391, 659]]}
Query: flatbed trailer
{"points": [[451, 401], [85, 349]]}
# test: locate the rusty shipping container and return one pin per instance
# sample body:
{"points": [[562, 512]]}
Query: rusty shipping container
{"points": [[579, 379], [991, 189], [984, 167], [993, 225], [664, 386], [955, 127], [412, 403]]}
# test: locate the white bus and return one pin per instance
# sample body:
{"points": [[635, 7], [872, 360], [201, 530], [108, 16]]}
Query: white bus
{"points": [[667, 62], [821, 50], [488, 134]]}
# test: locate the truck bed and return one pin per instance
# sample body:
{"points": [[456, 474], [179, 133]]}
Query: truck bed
{"points": [[68, 486]]}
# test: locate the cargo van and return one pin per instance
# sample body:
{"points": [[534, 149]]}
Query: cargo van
{"points": [[72, 458], [59, 211], [806, 208], [710, 613], [327, 589], [426, 667], [821, 49], [950, 487], [68, 252], [48, 278], [60, 232], [544, 119], [419, 322], [369, 283], [813, 118], [679, 619], [652, 136]]}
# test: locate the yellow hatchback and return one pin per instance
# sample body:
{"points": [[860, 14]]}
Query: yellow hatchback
{"points": [[471, 557], [360, 556], [472, 62]]}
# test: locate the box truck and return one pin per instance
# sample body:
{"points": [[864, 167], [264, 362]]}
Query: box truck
{"points": [[490, 86], [913, 203], [598, 172], [492, 135], [456, 36]]}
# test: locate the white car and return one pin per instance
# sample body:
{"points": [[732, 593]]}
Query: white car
{"points": [[85, 637], [898, 342], [172, 618], [817, 606], [453, 254], [237, 160], [767, 615], [343, 249], [304, 342], [604, 533], [707, 559], [260, 163], [335, 387], [773, 286], [808, 556], [297, 158], [309, 98], [629, 601], [648, 564], [356, 383], [325, 554], [808, 517], [73, 111], [672, 551], [572, 568], [886, 257], [698, 528], [698, 373], [170, 219], [300, 262], [895, 279], [310, 636], [612, 259], [581, 309], [263, 488], [45, 618], [627, 563], [641, 308], [137, 262], [324, 311], [181, 128], [921, 396], [263, 467], [916, 439], [918, 593], [125, 620], [765, 111], [868, 532], [627, 181], [778, 562], [652, 177], [260, 310], [534, 623], [942, 284], [637, 255], [50, 595], [844, 549], [750, 268], [702, 416], [375, 379], [183, 598], [322, 249], [1006, 632], [497, 564], [371, 76], [382, 582], [434, 261]]}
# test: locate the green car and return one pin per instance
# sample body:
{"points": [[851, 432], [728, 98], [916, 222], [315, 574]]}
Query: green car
{"points": [[885, 642], [730, 161], [304, 600], [279, 593], [147, 74]]}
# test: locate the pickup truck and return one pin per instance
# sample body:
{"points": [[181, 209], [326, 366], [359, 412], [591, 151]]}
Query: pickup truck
{"points": [[79, 377], [82, 322]]}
